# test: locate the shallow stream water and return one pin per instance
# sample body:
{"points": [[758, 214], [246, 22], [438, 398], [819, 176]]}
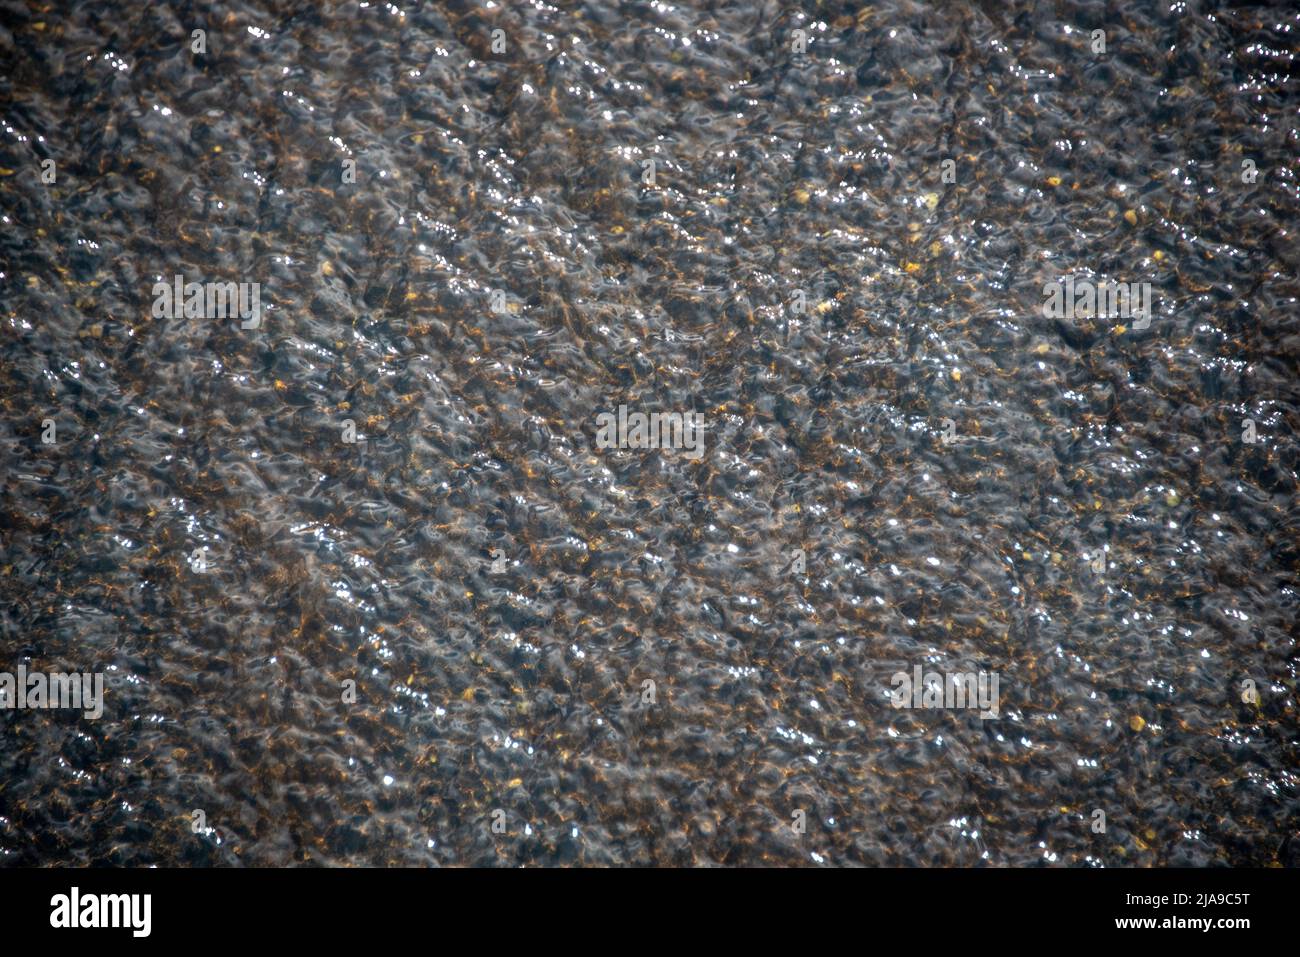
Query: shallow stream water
{"points": [[949, 460]]}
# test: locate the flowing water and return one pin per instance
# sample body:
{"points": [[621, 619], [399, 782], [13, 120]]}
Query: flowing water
{"points": [[372, 652]]}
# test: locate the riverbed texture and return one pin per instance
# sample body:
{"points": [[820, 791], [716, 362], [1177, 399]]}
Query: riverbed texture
{"points": [[364, 588]]}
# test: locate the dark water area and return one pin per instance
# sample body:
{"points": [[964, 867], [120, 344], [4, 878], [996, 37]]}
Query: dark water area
{"points": [[950, 460]]}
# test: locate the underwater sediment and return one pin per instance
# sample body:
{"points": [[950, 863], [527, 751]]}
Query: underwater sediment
{"points": [[365, 589]]}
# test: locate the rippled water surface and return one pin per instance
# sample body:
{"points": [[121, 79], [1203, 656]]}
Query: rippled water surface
{"points": [[521, 687]]}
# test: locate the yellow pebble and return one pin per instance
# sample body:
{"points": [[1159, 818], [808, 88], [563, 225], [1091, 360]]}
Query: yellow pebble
{"points": [[1137, 722], [1053, 181], [1130, 217]]}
